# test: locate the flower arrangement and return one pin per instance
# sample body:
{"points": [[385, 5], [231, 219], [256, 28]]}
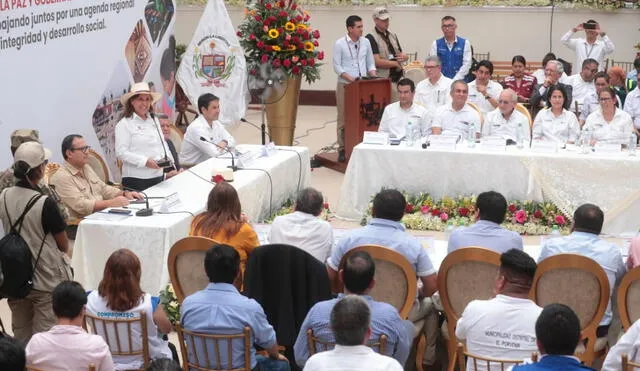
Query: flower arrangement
{"points": [[279, 33], [170, 304]]}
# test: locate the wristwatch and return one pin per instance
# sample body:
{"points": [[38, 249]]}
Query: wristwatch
{"points": [[487, 97]]}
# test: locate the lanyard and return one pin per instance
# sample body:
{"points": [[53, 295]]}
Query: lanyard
{"points": [[590, 50]]}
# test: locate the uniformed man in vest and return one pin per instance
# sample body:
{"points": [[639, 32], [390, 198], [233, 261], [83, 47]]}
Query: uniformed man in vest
{"points": [[454, 51], [387, 51]]}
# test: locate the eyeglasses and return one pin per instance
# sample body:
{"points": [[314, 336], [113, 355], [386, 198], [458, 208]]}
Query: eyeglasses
{"points": [[448, 25], [430, 67], [504, 101], [84, 149], [604, 99]]}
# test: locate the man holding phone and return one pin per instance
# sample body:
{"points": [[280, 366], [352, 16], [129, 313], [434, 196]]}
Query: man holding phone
{"points": [[591, 47]]}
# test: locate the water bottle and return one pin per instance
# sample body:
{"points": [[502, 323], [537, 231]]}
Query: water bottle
{"points": [[409, 136], [471, 135], [519, 136], [555, 231], [633, 140], [586, 141]]}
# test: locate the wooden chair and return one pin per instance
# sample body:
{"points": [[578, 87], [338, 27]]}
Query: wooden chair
{"points": [[72, 223], [98, 165], [581, 284], [396, 281], [199, 346], [482, 56], [628, 365], [491, 363], [415, 72], [629, 298], [186, 265], [522, 109], [119, 335], [477, 109], [176, 137], [313, 342], [30, 368], [465, 274]]}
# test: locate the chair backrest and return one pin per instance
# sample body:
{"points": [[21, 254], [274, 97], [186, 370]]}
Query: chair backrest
{"points": [[313, 343], [626, 66], [396, 281], [415, 72], [579, 283], [627, 365], [202, 351], [124, 336], [176, 137], [98, 165], [522, 109], [186, 265], [30, 368], [477, 109], [51, 169], [482, 56], [629, 298], [487, 363]]}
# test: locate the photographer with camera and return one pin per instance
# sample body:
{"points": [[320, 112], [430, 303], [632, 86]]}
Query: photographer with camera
{"points": [[591, 47]]}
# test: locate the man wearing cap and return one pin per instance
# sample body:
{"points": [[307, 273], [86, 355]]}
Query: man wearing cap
{"points": [[81, 190], [590, 47], [7, 179], [43, 230], [387, 52]]}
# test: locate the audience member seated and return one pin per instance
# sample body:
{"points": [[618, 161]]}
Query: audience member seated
{"points": [[491, 208], [628, 344], [483, 91], [510, 315], [456, 117], [616, 81], [632, 106], [632, 76], [303, 228], [540, 75], [78, 186], [556, 122], [67, 346], [220, 309], [591, 102], [582, 83], [166, 125], [520, 81], [609, 124], [12, 354], [434, 91], [591, 46], [557, 335], [119, 292], [385, 229], [357, 276], [164, 364], [350, 322], [223, 222], [584, 240], [397, 115], [540, 96], [505, 121], [207, 126], [634, 253]]}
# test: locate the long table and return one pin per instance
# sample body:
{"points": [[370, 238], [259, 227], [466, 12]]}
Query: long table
{"points": [[567, 178], [151, 237]]}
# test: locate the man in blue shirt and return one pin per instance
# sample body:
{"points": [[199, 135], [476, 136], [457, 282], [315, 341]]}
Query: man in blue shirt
{"points": [[357, 276], [454, 51], [221, 309], [486, 232], [557, 333]]}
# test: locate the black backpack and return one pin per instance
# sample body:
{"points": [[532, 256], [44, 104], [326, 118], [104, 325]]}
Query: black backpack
{"points": [[16, 258]]}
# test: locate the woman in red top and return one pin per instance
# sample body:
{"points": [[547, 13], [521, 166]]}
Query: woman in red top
{"points": [[520, 81]]}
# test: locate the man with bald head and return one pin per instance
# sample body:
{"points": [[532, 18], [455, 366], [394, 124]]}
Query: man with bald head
{"points": [[553, 70], [505, 120]]}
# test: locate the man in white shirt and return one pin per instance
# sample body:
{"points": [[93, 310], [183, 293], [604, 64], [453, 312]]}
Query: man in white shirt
{"points": [[632, 106], [505, 121], [352, 60], [503, 327], [582, 83], [397, 115], [194, 149], [454, 51], [553, 71], [591, 102], [590, 47], [456, 117], [302, 228], [433, 91], [351, 325], [483, 91], [628, 344]]}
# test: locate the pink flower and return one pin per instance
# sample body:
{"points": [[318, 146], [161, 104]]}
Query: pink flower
{"points": [[560, 220], [316, 34], [287, 37], [521, 216], [295, 59], [444, 217], [264, 58], [266, 28], [425, 209]]}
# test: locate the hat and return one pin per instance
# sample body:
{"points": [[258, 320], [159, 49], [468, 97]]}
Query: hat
{"points": [[24, 135], [381, 12], [33, 153], [140, 88]]}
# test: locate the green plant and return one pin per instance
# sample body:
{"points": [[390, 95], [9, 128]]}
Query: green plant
{"points": [[170, 304]]}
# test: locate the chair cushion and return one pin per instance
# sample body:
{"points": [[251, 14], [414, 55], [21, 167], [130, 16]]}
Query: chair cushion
{"points": [[190, 272], [391, 284], [470, 280], [633, 301]]}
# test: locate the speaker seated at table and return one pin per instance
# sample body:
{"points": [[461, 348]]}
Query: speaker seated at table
{"points": [[398, 115], [457, 117]]}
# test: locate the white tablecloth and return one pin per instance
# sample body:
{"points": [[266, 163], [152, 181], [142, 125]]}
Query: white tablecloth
{"points": [[568, 179], [152, 237]]}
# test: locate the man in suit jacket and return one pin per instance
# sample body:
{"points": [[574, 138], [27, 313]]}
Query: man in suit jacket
{"points": [[557, 333], [552, 71], [165, 125]]}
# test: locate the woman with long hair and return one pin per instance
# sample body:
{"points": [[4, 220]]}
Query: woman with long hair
{"points": [[223, 222], [609, 124], [520, 81], [555, 122], [119, 295], [139, 141]]}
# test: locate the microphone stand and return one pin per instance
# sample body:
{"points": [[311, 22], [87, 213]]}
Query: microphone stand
{"points": [[262, 128], [147, 211], [226, 149]]}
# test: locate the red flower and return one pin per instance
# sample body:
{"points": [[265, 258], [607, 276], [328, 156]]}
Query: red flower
{"points": [[299, 31], [311, 61], [282, 14], [435, 212], [512, 208], [295, 39], [408, 209], [272, 18], [268, 48], [463, 211], [258, 18], [303, 62], [325, 205], [321, 56], [300, 46], [280, 30], [264, 58], [315, 43], [293, 6], [276, 63], [425, 209], [285, 44], [286, 63], [253, 72], [260, 44], [537, 214], [299, 18], [316, 34], [268, 6], [266, 23], [521, 216], [295, 70], [252, 37], [282, 4], [239, 34], [217, 179], [305, 34], [306, 18], [560, 220], [444, 217]]}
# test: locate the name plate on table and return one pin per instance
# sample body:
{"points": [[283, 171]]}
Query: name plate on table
{"points": [[493, 144], [544, 146], [245, 159], [608, 148], [268, 150], [375, 137], [169, 202], [443, 141]]}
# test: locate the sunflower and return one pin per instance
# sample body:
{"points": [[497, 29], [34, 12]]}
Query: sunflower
{"points": [[273, 33], [291, 48], [308, 46], [300, 25], [275, 48], [289, 26]]}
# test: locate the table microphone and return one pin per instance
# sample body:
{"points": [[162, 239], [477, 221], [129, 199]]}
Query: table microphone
{"points": [[226, 149], [147, 211]]}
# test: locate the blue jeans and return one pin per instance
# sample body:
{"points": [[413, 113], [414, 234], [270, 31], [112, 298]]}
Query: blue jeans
{"points": [[268, 364]]}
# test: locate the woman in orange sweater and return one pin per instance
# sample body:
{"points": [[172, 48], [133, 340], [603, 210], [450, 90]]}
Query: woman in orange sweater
{"points": [[223, 222]]}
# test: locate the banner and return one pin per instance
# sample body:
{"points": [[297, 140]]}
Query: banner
{"points": [[214, 63], [65, 64]]}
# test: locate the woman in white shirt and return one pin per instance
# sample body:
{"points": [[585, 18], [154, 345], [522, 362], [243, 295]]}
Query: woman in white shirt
{"points": [[609, 124], [139, 141], [555, 122]]}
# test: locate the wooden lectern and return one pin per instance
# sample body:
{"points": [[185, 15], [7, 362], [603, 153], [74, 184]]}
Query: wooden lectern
{"points": [[364, 104]]}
